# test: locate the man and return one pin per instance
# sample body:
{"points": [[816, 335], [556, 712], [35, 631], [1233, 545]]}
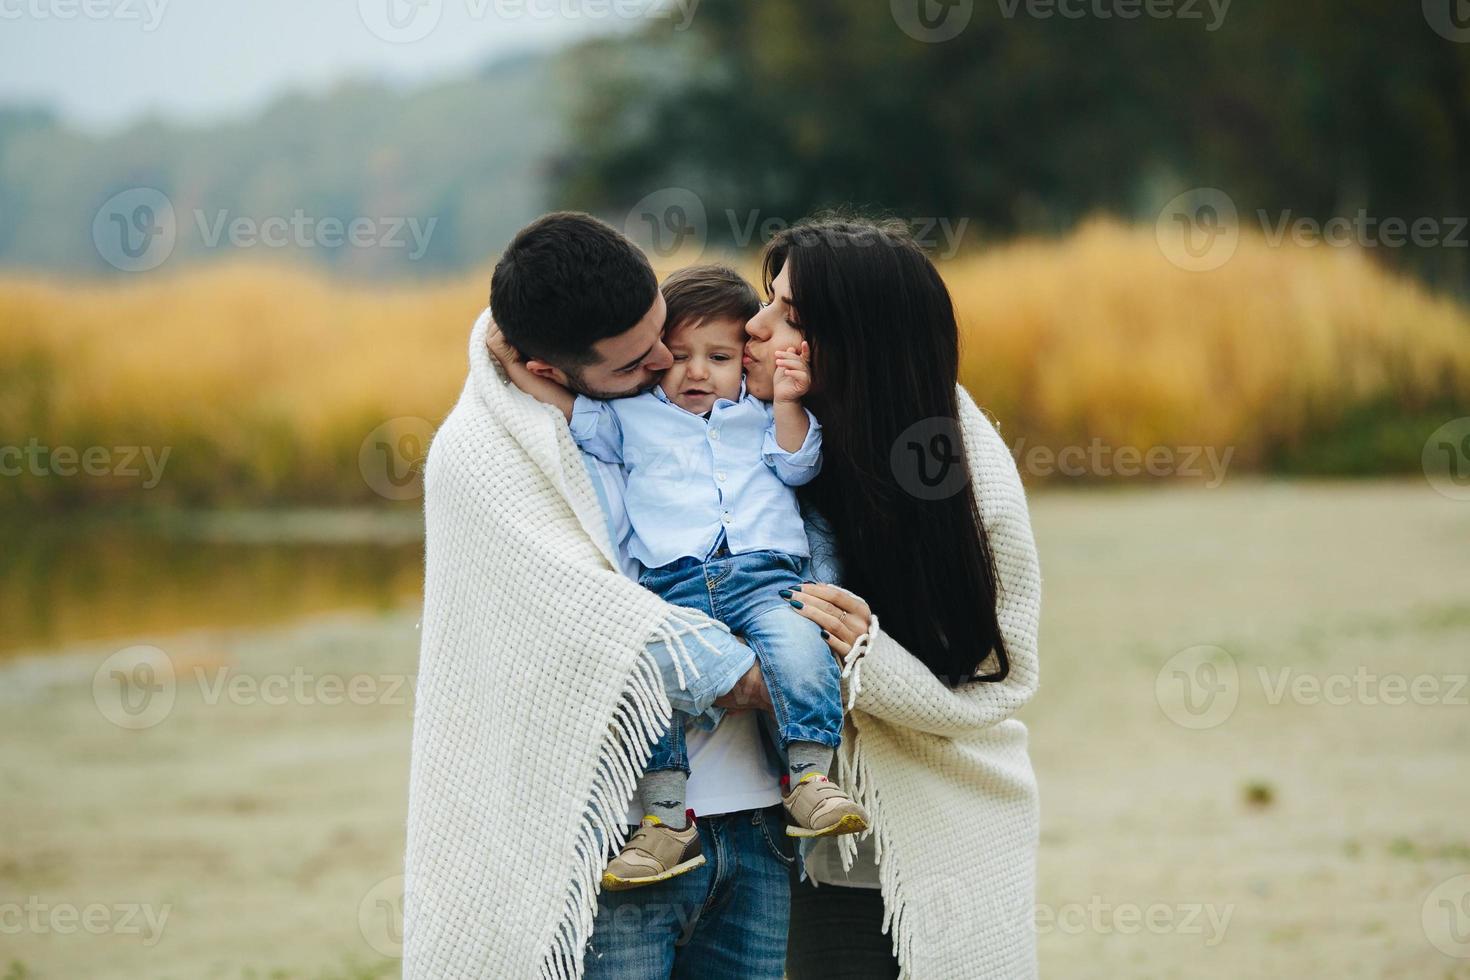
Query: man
{"points": [[580, 304]]}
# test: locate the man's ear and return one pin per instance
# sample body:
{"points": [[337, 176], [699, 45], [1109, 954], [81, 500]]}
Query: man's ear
{"points": [[543, 370]]}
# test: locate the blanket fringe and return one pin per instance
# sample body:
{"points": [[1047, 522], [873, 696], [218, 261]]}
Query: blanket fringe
{"points": [[682, 623], [852, 663], [642, 713], [854, 774]]}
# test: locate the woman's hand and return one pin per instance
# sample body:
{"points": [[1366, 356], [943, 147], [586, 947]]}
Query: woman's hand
{"points": [[843, 616]]}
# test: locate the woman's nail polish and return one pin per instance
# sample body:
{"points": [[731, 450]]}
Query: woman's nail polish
{"points": [[826, 635], [795, 604], [785, 593]]}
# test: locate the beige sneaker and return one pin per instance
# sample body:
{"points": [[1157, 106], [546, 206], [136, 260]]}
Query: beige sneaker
{"points": [[655, 852], [818, 808]]}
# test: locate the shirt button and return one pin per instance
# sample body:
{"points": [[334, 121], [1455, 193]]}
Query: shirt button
{"points": [[714, 435], [726, 518], [720, 476]]}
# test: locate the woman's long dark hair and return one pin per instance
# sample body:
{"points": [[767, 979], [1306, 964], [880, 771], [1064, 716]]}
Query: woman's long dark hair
{"points": [[885, 361]]}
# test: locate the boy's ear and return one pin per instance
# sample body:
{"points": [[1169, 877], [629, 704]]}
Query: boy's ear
{"points": [[543, 370]]}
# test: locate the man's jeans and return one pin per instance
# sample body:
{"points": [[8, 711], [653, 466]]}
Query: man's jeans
{"points": [[742, 591], [725, 920]]}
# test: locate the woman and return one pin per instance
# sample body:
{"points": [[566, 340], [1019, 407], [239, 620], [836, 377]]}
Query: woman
{"points": [[923, 518]]}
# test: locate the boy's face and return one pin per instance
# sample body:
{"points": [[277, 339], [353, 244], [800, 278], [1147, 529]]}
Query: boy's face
{"points": [[706, 363]]}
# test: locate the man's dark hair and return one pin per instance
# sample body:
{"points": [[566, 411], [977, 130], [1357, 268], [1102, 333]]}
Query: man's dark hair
{"points": [[708, 292], [565, 282]]}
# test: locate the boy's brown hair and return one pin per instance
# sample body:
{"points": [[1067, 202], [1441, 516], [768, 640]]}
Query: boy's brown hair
{"points": [[708, 292]]}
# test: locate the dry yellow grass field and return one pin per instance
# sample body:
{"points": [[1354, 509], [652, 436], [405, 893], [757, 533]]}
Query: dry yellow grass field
{"points": [[263, 382]]}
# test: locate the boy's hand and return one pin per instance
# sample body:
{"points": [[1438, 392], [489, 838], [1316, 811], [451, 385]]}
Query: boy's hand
{"points": [[793, 379]]}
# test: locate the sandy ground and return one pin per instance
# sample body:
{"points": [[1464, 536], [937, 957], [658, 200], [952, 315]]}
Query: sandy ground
{"points": [[1286, 804]]}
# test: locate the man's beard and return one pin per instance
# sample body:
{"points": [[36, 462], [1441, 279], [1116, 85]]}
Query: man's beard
{"points": [[576, 385]]}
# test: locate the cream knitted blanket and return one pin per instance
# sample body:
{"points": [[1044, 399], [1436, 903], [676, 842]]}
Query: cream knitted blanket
{"points": [[944, 772], [537, 701], [536, 695]]}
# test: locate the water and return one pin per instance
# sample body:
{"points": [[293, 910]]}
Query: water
{"points": [[81, 580]]}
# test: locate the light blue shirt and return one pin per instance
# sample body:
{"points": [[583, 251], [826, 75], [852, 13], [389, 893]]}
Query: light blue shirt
{"points": [[610, 482], [690, 479]]}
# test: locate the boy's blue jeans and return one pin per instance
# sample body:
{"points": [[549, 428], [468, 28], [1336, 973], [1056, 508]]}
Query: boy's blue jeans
{"points": [[742, 591]]}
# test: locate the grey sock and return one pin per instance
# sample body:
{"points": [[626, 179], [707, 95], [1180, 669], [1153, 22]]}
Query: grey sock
{"points": [[807, 757], [662, 793]]}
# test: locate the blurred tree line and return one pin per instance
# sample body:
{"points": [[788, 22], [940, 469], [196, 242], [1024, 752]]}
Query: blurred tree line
{"points": [[1301, 109], [463, 158], [766, 110]]}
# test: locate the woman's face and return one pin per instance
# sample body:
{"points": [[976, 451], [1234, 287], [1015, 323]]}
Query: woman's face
{"points": [[772, 329]]}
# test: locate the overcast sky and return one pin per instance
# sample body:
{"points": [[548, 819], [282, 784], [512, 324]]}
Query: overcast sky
{"points": [[104, 63]]}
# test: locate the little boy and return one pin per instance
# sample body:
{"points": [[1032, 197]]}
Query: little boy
{"points": [[711, 475]]}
